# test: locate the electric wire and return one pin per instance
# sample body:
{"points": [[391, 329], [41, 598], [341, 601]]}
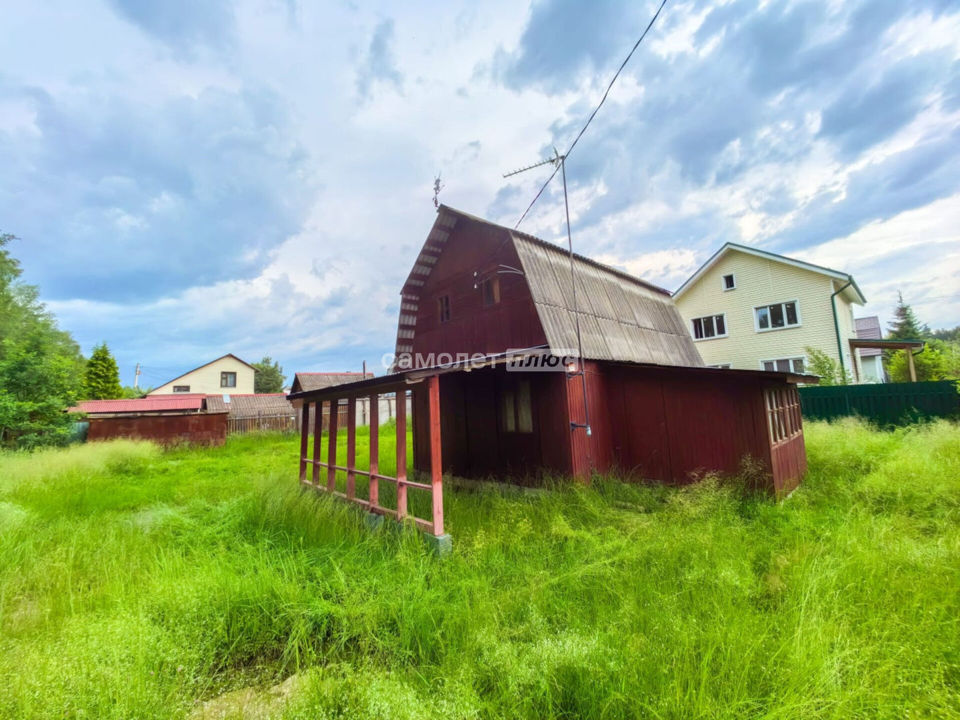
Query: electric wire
{"points": [[593, 114]]}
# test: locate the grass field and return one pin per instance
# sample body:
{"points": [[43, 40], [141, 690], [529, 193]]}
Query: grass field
{"points": [[136, 583]]}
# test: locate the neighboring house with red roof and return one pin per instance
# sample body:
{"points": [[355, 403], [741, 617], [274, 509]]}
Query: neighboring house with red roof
{"points": [[227, 374]]}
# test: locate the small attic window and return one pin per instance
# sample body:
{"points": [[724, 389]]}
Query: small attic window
{"points": [[729, 282], [490, 290], [443, 308], [181, 388]]}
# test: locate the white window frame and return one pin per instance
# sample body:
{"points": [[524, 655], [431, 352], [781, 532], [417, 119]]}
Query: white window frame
{"points": [[723, 282], [721, 366], [790, 358], [756, 320], [726, 328]]}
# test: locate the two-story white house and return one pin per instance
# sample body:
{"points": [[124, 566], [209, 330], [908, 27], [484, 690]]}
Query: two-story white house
{"points": [[228, 375], [755, 310]]}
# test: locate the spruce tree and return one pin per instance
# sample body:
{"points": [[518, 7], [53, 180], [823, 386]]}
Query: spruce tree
{"points": [[102, 378], [905, 325]]}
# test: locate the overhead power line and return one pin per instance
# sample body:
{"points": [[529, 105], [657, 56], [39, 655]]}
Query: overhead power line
{"points": [[557, 167]]}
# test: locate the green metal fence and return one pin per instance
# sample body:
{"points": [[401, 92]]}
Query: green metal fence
{"points": [[889, 403]]}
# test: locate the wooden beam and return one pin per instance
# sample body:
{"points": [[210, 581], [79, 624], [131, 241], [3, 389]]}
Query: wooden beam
{"points": [[436, 455], [374, 450], [317, 436], [351, 447], [913, 368], [332, 445], [401, 411], [304, 439]]}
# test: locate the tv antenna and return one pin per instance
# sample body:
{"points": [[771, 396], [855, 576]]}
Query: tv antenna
{"points": [[437, 187], [559, 162]]}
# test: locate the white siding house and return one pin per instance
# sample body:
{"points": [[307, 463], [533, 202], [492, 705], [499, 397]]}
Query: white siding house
{"points": [[755, 310], [227, 375]]}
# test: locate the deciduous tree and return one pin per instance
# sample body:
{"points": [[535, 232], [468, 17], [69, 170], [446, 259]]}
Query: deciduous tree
{"points": [[41, 368]]}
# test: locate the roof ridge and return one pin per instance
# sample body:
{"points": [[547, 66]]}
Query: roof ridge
{"points": [[557, 248]]}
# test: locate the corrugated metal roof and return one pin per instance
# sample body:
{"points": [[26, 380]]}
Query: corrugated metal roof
{"points": [[621, 318], [152, 403], [245, 405], [305, 381]]}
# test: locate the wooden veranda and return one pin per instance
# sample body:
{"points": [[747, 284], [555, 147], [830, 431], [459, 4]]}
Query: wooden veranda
{"points": [[319, 471]]}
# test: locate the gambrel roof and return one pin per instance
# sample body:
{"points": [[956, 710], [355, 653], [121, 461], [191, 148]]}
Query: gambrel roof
{"points": [[622, 317]]}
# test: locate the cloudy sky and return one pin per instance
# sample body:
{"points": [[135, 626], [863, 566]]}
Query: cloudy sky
{"points": [[195, 178]]}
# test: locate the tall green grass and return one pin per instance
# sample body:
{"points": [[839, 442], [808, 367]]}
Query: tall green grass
{"points": [[140, 583]]}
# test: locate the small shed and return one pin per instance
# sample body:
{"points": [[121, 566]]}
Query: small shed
{"points": [[165, 419]]}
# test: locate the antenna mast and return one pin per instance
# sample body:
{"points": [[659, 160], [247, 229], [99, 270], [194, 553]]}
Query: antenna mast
{"points": [[560, 162]]}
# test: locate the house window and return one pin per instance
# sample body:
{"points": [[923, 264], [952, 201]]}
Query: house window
{"points": [[784, 365], [775, 317], [516, 409], [490, 290], [711, 326], [181, 388], [721, 366], [729, 282], [783, 413], [228, 379], [443, 308]]}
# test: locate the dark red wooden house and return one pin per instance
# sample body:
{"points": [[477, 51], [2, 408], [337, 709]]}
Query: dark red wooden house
{"points": [[480, 295]]}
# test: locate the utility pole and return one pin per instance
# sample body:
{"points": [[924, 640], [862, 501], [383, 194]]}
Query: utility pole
{"points": [[136, 378]]}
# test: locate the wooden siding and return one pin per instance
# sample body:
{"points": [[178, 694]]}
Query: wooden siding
{"points": [[647, 423], [472, 327], [762, 281]]}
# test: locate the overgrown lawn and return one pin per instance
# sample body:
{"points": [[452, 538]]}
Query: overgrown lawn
{"points": [[138, 583]]}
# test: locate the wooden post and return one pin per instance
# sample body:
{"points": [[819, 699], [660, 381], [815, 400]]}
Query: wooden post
{"points": [[374, 451], [351, 447], [436, 459], [401, 410], [304, 439], [332, 445], [317, 434], [913, 369]]}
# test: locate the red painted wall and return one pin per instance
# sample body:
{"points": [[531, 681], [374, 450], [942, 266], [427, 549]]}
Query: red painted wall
{"points": [[194, 428], [475, 444], [647, 423], [673, 425], [473, 328]]}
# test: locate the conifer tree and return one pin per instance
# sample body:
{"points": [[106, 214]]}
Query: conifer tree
{"points": [[102, 378], [905, 325]]}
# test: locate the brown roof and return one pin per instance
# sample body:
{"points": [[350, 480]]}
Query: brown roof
{"points": [[244, 405], [622, 317], [868, 328], [304, 381], [198, 367]]}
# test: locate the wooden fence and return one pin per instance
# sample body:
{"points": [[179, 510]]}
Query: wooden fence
{"points": [[275, 423], [886, 404]]}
